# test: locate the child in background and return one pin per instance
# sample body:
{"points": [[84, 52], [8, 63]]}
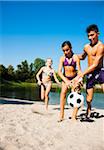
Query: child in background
{"points": [[45, 82]]}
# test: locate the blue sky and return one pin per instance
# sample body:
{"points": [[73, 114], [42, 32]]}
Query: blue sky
{"points": [[31, 29]]}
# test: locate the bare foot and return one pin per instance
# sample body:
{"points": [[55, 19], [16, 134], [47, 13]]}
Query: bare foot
{"points": [[60, 120], [88, 115], [74, 119], [46, 108]]}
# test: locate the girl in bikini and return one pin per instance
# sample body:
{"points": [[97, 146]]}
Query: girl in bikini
{"points": [[45, 82], [69, 62]]}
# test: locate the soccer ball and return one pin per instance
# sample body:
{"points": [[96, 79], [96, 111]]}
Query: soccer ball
{"points": [[75, 100]]}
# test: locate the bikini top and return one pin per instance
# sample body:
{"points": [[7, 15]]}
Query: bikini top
{"points": [[47, 73], [72, 63]]}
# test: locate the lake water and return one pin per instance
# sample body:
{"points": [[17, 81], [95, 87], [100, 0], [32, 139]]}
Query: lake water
{"points": [[32, 94], [98, 99]]}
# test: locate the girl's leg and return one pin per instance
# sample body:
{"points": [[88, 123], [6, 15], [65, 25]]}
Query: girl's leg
{"points": [[42, 92], [62, 100], [48, 88]]}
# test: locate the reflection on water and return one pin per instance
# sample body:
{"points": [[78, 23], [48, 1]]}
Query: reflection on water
{"points": [[21, 93], [33, 94]]}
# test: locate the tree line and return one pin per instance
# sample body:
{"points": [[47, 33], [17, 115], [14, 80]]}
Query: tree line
{"points": [[25, 72]]}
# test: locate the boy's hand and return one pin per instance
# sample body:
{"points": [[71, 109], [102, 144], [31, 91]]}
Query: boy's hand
{"points": [[80, 74]]}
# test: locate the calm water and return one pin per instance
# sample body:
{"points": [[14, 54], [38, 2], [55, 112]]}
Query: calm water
{"points": [[32, 94], [98, 100]]}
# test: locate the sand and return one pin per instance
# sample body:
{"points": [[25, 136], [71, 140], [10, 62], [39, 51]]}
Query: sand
{"points": [[23, 128]]}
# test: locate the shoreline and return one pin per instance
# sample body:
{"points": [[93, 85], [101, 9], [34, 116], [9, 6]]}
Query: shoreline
{"points": [[16, 101], [21, 129]]}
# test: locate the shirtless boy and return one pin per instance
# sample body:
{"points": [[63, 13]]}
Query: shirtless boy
{"points": [[95, 71], [46, 81], [68, 62]]}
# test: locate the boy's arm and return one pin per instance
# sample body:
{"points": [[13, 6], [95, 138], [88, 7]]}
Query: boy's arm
{"points": [[83, 55], [99, 55]]}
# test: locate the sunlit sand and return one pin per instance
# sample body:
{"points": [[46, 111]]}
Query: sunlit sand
{"points": [[29, 127]]}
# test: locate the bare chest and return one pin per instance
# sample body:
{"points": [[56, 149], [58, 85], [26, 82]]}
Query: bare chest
{"points": [[92, 52]]}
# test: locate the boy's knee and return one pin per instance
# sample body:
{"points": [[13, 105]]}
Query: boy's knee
{"points": [[88, 103], [89, 100]]}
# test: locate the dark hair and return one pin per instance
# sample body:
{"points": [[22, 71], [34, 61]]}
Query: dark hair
{"points": [[92, 27], [66, 43]]}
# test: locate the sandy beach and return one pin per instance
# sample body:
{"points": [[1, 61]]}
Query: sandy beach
{"points": [[30, 127]]}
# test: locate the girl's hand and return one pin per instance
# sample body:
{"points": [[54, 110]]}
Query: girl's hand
{"points": [[39, 82]]}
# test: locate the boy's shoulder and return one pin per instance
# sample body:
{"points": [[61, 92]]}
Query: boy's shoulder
{"points": [[87, 45]]}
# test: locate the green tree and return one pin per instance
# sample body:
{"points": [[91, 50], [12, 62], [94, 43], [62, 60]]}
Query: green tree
{"points": [[3, 72], [22, 72], [38, 63], [31, 73], [10, 71]]}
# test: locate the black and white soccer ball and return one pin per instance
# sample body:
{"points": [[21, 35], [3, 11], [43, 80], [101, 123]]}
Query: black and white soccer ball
{"points": [[75, 100]]}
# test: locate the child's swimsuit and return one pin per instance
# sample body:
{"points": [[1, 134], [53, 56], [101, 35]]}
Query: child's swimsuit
{"points": [[45, 74], [73, 64], [96, 76]]}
